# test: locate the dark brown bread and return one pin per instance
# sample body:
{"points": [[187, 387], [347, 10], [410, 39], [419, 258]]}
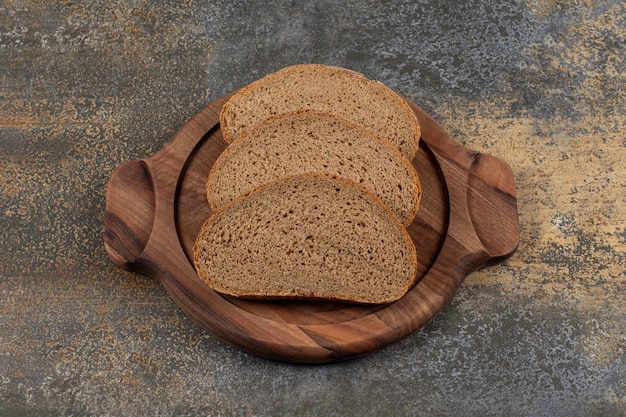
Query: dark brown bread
{"points": [[315, 142], [307, 236], [324, 88]]}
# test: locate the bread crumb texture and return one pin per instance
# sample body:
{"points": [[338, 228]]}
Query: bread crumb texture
{"points": [[307, 236]]}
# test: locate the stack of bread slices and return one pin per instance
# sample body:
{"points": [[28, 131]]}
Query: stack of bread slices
{"points": [[312, 196]]}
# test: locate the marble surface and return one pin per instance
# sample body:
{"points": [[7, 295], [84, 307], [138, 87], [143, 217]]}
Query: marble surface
{"points": [[86, 86]]}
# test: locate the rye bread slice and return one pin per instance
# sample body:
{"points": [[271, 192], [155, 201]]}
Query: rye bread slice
{"points": [[307, 237], [325, 88], [315, 142]]}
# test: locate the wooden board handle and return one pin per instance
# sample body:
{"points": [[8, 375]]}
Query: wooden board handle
{"points": [[129, 213], [492, 206]]}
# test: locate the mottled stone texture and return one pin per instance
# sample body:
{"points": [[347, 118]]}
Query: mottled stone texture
{"points": [[85, 86]]}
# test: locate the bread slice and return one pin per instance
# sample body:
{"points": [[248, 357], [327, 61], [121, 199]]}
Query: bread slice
{"points": [[307, 236], [309, 141], [325, 88]]}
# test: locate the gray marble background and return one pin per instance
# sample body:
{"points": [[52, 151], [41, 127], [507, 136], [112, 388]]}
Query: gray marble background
{"points": [[86, 86]]}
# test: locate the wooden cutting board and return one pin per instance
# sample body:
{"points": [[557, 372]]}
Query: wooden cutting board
{"points": [[155, 207]]}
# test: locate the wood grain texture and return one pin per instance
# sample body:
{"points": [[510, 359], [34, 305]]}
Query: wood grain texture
{"points": [[156, 206]]}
